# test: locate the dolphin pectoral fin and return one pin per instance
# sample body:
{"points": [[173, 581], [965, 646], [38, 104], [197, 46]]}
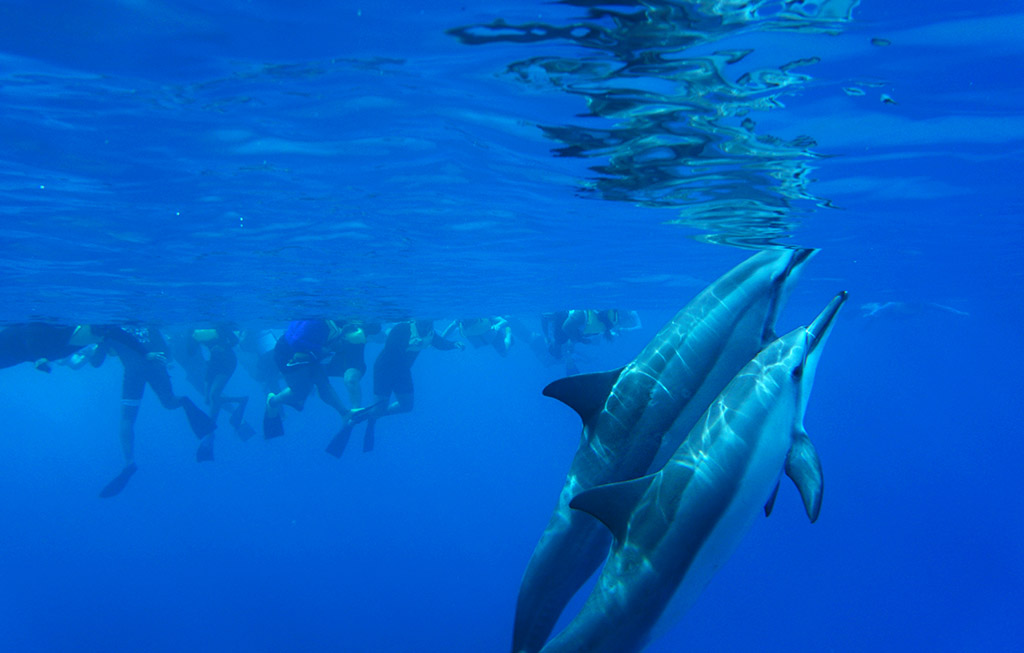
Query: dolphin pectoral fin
{"points": [[771, 501], [584, 393], [613, 503], [803, 466]]}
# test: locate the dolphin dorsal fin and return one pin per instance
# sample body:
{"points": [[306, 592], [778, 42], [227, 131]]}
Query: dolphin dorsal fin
{"points": [[584, 393], [803, 466], [613, 503]]}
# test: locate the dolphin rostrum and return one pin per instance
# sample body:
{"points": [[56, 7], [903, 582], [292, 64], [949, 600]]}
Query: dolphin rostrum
{"points": [[649, 405], [674, 528]]}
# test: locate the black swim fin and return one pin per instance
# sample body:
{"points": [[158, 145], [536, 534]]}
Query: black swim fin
{"points": [[245, 431], [273, 427], [368, 436], [337, 445], [114, 487], [201, 423], [238, 414], [205, 451]]}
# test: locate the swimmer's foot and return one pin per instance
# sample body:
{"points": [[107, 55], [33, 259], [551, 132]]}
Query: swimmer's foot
{"points": [[357, 415], [273, 426], [272, 410], [114, 487]]}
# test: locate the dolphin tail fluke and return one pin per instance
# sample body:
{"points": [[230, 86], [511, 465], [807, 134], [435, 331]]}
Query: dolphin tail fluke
{"points": [[584, 393], [803, 466], [613, 503]]}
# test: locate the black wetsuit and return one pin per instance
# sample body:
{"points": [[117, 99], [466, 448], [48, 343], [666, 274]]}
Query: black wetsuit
{"points": [[132, 344], [348, 355], [392, 371]]}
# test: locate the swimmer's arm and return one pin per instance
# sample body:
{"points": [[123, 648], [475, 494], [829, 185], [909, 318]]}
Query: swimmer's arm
{"points": [[445, 345]]}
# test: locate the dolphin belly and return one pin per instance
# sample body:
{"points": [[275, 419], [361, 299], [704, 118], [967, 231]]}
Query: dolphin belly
{"points": [[759, 478]]}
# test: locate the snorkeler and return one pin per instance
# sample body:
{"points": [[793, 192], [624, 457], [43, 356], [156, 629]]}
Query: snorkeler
{"points": [[483, 331], [143, 353], [220, 343], [299, 354], [347, 342], [564, 329], [392, 375]]}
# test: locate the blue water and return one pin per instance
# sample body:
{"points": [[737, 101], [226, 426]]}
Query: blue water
{"points": [[184, 163]]}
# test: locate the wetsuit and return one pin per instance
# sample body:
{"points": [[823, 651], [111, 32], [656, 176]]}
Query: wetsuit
{"points": [[392, 371], [132, 344], [349, 355]]}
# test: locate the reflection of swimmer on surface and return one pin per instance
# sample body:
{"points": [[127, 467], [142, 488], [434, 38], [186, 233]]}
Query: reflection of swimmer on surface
{"points": [[40, 343], [221, 362], [484, 331], [143, 353], [392, 375], [299, 354], [347, 342]]}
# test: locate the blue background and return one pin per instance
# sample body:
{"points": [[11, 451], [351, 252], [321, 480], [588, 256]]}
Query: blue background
{"points": [[187, 162]]}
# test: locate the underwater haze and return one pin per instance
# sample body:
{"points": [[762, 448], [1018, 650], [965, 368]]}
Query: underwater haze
{"points": [[192, 163]]}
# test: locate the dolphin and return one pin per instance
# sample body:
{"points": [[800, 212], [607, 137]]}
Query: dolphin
{"points": [[632, 413], [674, 528]]}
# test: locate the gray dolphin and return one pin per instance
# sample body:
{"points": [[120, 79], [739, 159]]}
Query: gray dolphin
{"points": [[674, 528], [651, 404]]}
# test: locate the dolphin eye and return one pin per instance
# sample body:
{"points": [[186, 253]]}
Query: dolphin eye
{"points": [[798, 371]]}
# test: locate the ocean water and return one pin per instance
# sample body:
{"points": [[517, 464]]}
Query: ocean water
{"points": [[183, 163]]}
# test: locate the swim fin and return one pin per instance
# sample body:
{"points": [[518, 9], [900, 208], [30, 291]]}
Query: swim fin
{"points": [[239, 413], [368, 436], [201, 423], [337, 445], [205, 451], [114, 487], [273, 427], [245, 431]]}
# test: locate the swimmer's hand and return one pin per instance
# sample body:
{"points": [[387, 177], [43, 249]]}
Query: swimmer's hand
{"points": [[301, 358]]}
